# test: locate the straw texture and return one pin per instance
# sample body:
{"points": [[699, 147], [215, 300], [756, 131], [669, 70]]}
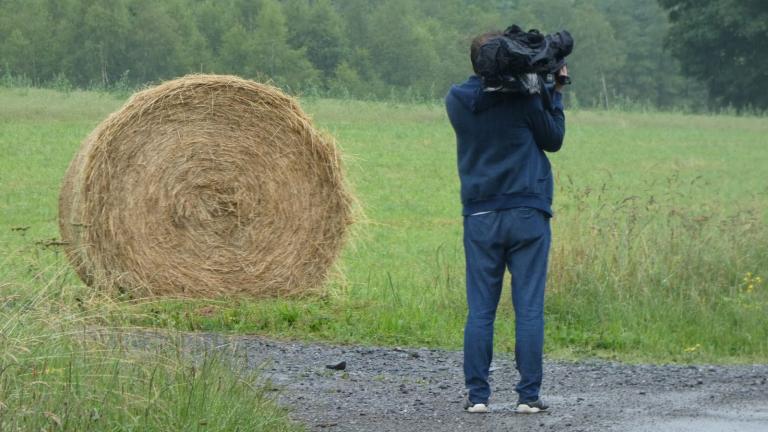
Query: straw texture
{"points": [[204, 186]]}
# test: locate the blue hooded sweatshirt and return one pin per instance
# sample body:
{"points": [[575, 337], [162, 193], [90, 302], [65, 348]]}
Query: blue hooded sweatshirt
{"points": [[501, 140]]}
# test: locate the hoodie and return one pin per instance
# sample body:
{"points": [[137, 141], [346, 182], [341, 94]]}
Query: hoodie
{"points": [[501, 139]]}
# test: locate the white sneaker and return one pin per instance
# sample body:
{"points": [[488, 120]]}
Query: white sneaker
{"points": [[476, 408], [534, 407]]}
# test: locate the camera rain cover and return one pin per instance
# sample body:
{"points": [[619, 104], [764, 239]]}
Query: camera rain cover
{"points": [[517, 52]]}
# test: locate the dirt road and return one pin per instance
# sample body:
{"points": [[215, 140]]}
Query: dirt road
{"points": [[422, 390]]}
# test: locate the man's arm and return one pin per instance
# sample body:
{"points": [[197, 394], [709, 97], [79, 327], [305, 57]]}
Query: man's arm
{"points": [[548, 126]]}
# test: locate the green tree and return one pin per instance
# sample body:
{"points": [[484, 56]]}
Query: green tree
{"points": [[357, 22], [370, 47], [321, 33], [450, 25], [15, 53], [237, 53], [356, 14], [400, 47], [29, 46], [212, 22], [722, 43], [193, 49], [245, 12], [297, 18], [96, 41], [274, 56], [347, 82], [153, 44]]}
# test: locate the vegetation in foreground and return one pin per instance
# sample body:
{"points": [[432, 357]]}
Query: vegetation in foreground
{"points": [[659, 236], [66, 363], [69, 358]]}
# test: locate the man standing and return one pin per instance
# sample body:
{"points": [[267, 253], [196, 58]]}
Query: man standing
{"points": [[506, 193]]}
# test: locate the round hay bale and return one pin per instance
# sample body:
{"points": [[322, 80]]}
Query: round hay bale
{"points": [[203, 186]]}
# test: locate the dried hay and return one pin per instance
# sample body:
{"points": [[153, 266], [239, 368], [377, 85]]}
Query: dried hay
{"points": [[205, 186]]}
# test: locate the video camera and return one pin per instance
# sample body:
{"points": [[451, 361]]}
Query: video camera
{"points": [[523, 62]]}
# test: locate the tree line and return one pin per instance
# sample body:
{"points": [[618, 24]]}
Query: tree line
{"points": [[357, 48]]}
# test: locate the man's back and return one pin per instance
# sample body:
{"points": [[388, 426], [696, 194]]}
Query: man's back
{"points": [[500, 142]]}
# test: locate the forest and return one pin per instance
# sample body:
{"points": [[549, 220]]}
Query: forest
{"points": [[658, 54]]}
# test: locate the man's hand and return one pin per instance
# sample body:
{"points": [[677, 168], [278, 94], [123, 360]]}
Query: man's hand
{"points": [[563, 72]]}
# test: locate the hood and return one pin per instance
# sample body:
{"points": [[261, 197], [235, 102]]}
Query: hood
{"points": [[471, 95]]}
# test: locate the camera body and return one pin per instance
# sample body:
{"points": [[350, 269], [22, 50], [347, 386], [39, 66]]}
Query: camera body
{"points": [[508, 63], [556, 78]]}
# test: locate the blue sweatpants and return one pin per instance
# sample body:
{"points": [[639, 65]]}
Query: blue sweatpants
{"points": [[517, 239]]}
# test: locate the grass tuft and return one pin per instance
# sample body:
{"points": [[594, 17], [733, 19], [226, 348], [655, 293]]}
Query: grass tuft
{"points": [[62, 368]]}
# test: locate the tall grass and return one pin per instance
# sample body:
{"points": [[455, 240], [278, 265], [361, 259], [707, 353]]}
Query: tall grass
{"points": [[65, 365], [641, 271]]}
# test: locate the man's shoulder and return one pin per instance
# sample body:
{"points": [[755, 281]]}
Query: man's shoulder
{"points": [[473, 83]]}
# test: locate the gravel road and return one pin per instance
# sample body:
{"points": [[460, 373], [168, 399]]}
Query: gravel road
{"points": [[421, 390]]}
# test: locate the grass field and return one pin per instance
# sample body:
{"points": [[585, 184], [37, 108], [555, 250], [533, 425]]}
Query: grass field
{"points": [[67, 362], [58, 373], [660, 239]]}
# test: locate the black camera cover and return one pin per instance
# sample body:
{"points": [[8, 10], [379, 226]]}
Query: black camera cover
{"points": [[516, 53]]}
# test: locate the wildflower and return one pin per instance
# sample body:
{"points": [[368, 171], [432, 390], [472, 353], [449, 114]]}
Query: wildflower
{"points": [[751, 281], [692, 349]]}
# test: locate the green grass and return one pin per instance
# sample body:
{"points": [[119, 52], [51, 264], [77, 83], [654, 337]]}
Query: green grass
{"points": [[660, 230], [68, 360]]}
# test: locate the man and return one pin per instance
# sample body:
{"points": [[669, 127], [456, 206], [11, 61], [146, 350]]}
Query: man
{"points": [[506, 193]]}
